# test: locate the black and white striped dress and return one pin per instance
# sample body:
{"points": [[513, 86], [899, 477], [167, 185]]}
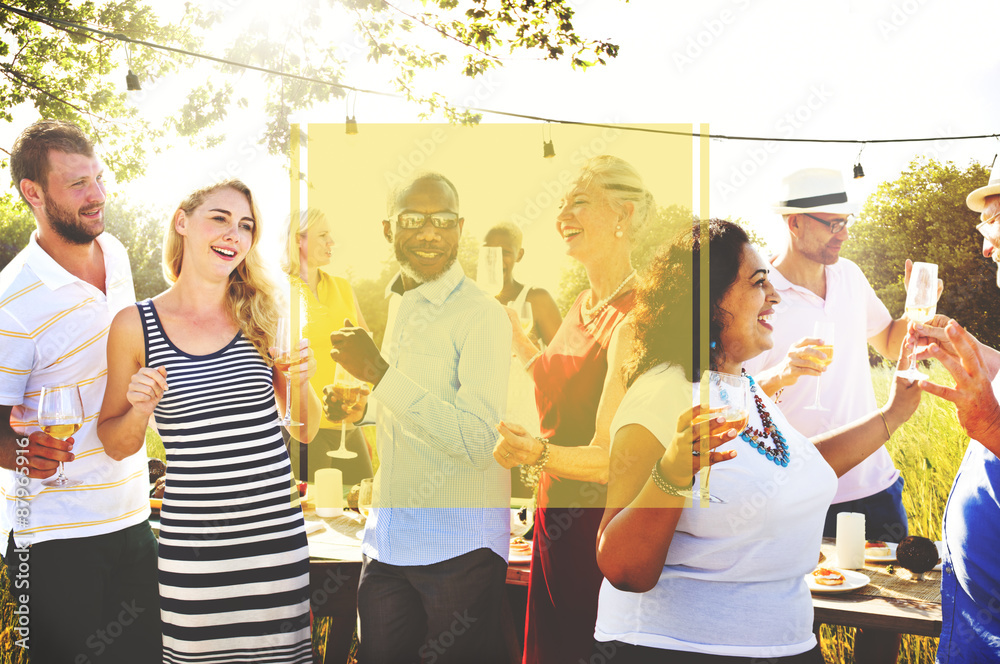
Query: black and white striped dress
{"points": [[234, 560]]}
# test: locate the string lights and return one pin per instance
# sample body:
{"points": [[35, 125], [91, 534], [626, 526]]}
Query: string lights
{"points": [[70, 26]]}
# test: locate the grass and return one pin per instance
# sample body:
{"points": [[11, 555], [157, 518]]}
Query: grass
{"points": [[927, 450]]}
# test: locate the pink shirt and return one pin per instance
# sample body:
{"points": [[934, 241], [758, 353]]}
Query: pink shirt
{"points": [[846, 387]]}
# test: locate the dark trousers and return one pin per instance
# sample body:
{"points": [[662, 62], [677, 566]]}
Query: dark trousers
{"points": [[616, 652], [885, 518], [90, 599], [435, 614]]}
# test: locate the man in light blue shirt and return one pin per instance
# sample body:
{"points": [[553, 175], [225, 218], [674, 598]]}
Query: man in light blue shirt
{"points": [[436, 541]]}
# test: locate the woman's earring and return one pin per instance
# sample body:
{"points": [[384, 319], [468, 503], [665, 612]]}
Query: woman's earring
{"points": [[618, 231]]}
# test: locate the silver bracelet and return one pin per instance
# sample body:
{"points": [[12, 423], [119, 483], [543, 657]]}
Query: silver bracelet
{"points": [[530, 474], [666, 486]]}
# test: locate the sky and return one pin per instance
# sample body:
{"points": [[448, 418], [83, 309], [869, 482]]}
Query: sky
{"points": [[854, 69]]}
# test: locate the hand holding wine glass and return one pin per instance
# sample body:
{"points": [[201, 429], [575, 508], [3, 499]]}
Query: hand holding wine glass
{"points": [[717, 418], [921, 306], [284, 345], [60, 415], [348, 391]]}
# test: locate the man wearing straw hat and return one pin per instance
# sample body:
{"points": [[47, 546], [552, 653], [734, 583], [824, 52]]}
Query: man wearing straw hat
{"points": [[970, 579], [818, 286]]}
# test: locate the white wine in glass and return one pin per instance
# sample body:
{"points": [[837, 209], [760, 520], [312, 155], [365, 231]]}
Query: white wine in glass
{"points": [[728, 396], [823, 330], [347, 390], [526, 316], [60, 415], [921, 305], [284, 341]]}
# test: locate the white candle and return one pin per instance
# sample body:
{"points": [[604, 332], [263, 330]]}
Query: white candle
{"points": [[329, 492], [851, 540]]}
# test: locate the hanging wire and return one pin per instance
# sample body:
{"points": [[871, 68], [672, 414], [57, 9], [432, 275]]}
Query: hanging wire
{"points": [[70, 26]]}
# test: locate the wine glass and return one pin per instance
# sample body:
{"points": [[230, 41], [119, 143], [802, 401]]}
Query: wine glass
{"points": [[921, 305], [489, 270], [60, 414], [822, 330], [527, 317], [347, 389], [284, 342], [365, 497], [728, 396]]}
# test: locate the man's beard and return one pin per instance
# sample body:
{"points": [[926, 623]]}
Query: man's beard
{"points": [[416, 275], [67, 224], [822, 256]]}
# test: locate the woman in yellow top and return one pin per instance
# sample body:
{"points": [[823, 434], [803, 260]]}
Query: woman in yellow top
{"points": [[324, 302]]}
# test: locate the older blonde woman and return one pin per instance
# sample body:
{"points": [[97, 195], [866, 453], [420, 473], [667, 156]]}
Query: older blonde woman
{"points": [[325, 301], [233, 556], [579, 387]]}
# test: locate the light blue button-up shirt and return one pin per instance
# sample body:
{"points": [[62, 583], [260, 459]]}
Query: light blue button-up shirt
{"points": [[439, 493]]}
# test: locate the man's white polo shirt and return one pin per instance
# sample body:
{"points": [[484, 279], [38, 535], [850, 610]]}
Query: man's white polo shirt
{"points": [[54, 330]]}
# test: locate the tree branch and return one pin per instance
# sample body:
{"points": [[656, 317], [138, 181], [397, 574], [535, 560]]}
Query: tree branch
{"points": [[18, 77], [443, 33]]}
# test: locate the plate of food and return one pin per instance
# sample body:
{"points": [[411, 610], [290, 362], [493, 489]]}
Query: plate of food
{"points": [[835, 580], [520, 551], [880, 552]]}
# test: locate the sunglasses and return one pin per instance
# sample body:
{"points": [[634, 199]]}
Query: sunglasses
{"points": [[835, 226], [981, 226], [414, 220]]}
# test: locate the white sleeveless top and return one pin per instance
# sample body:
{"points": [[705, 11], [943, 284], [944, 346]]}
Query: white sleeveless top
{"points": [[745, 559]]}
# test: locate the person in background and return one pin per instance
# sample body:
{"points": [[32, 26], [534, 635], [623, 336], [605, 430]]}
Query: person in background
{"points": [[437, 537], [970, 577], [673, 571], [541, 316], [817, 284], [545, 318], [89, 548], [578, 388], [233, 555], [324, 301]]}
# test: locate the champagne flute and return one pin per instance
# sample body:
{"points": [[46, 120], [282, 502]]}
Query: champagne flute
{"points": [[347, 388], [728, 396], [60, 414], [365, 497], [921, 305], [489, 270], [823, 330], [284, 342]]}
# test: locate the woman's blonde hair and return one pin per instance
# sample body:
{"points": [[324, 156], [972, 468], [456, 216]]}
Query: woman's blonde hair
{"points": [[620, 182], [250, 293], [290, 260]]}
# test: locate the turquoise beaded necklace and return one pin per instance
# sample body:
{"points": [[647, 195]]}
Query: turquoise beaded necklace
{"points": [[779, 454]]}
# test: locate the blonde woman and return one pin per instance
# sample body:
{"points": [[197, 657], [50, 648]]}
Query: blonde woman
{"points": [[325, 302], [233, 556], [578, 388]]}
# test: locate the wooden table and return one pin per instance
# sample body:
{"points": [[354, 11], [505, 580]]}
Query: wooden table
{"points": [[891, 602]]}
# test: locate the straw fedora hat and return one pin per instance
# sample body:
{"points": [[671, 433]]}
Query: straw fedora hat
{"points": [[814, 190], [977, 199]]}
